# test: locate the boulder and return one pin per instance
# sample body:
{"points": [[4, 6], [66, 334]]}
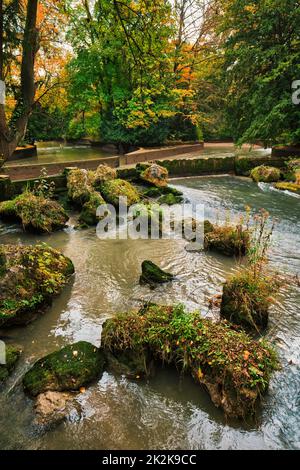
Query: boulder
{"points": [[80, 185], [104, 173], [153, 274], [51, 408], [234, 369], [88, 215], [292, 187], [68, 369], [35, 213], [227, 240], [155, 175], [265, 174], [114, 189], [247, 297], [32, 276], [170, 199]]}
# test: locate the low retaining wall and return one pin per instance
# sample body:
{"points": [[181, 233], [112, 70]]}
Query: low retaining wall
{"points": [[144, 155], [243, 164], [285, 152], [33, 171], [198, 166]]}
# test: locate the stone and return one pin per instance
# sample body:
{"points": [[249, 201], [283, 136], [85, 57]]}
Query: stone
{"points": [[68, 369], [155, 175], [153, 274]]}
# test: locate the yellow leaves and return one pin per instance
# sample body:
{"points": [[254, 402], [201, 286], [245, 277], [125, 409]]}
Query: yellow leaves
{"points": [[250, 8], [246, 355], [200, 374], [82, 389]]}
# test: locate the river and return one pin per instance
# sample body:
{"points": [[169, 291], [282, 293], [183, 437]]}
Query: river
{"points": [[168, 411]]}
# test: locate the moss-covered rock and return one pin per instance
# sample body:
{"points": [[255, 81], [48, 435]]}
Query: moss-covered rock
{"points": [[114, 189], [102, 174], [12, 355], [88, 215], [132, 364], [32, 276], [227, 240], [292, 173], [69, 368], [265, 174], [292, 187], [154, 192], [35, 213], [234, 368], [155, 175], [80, 186], [247, 297], [170, 199], [153, 274]]}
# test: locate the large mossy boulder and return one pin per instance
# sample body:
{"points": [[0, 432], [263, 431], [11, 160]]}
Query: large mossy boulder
{"points": [[115, 189], [35, 213], [102, 174], [227, 240], [153, 274], [234, 368], [31, 277], [292, 173], [154, 174], [247, 297], [80, 186], [68, 369], [154, 192], [88, 215], [12, 355], [265, 174], [170, 199]]}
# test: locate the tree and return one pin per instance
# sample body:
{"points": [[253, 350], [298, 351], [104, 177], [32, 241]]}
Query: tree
{"points": [[12, 133], [262, 59]]}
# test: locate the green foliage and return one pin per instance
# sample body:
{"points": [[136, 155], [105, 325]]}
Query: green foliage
{"points": [[262, 58], [33, 275], [237, 367]]}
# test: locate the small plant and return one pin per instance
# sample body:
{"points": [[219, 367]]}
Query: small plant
{"points": [[43, 187]]}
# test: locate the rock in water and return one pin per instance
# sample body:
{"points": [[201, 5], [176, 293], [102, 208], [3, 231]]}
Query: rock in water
{"points": [[155, 175], [29, 279], [153, 274], [65, 370], [52, 407]]}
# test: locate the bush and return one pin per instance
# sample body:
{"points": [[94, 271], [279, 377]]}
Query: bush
{"points": [[229, 240]]}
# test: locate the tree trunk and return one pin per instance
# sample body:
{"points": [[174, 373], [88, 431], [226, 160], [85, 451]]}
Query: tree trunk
{"points": [[11, 135]]}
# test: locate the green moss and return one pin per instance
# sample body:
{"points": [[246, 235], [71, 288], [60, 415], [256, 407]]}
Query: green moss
{"points": [[70, 368], [114, 189], [102, 174], [247, 297], [170, 199], [235, 369], [34, 274], [12, 356], [80, 186], [153, 274], [265, 174], [292, 187], [35, 213], [227, 240], [155, 174], [88, 215]]}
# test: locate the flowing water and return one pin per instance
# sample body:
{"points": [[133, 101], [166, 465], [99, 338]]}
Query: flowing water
{"points": [[168, 412]]}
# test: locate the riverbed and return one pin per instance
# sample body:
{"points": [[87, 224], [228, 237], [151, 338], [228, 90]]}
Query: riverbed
{"points": [[168, 411]]}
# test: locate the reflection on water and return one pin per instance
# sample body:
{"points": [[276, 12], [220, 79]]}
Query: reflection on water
{"points": [[57, 152], [168, 412]]}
